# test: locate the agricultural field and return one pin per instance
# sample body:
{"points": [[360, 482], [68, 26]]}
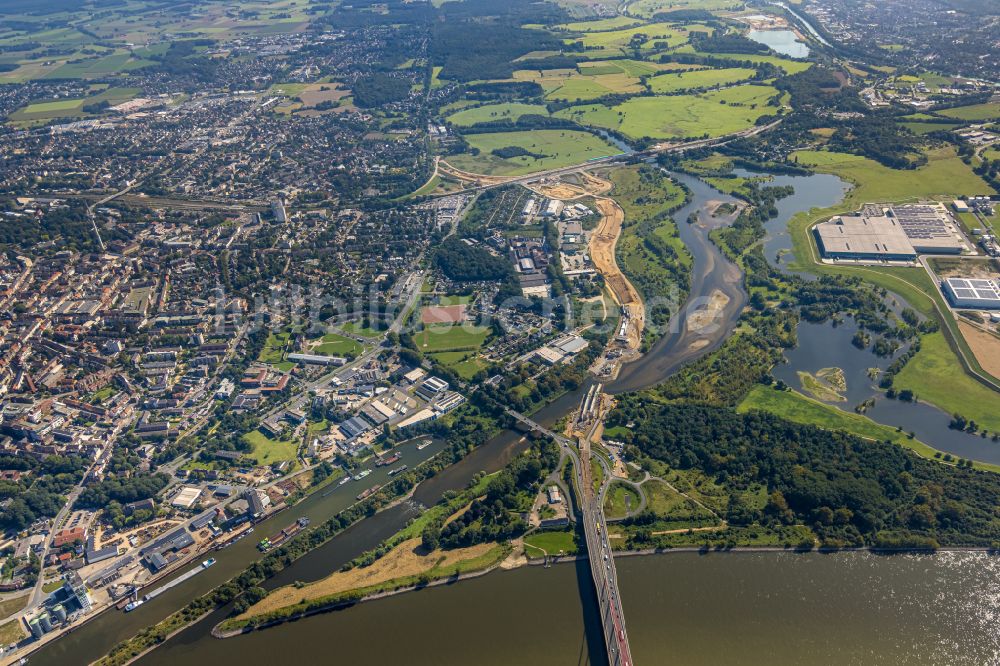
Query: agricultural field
{"points": [[550, 149], [600, 25], [306, 97], [976, 112], [495, 112], [698, 79], [943, 176], [96, 67], [713, 114], [650, 36], [45, 111], [96, 43], [651, 7], [570, 84], [926, 128], [790, 66]]}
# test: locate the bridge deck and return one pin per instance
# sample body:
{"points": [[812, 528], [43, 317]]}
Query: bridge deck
{"points": [[602, 563]]}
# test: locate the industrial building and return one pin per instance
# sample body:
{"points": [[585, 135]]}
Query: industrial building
{"points": [[973, 293], [896, 233], [860, 237], [317, 359], [930, 228]]}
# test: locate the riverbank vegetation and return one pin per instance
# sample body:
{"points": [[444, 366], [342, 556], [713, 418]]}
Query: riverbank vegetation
{"points": [[847, 491], [467, 531]]}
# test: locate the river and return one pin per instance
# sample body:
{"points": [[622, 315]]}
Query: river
{"points": [[748, 607], [682, 608], [711, 272]]}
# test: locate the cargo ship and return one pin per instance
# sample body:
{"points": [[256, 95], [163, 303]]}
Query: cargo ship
{"points": [[275, 540], [175, 582], [398, 470], [368, 493], [388, 461], [423, 445]]}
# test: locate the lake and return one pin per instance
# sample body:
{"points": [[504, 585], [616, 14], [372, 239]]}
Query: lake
{"points": [[784, 42]]}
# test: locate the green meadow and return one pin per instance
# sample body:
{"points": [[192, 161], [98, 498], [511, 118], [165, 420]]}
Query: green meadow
{"points": [[714, 113], [551, 149]]}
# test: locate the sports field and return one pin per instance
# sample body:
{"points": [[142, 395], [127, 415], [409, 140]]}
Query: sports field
{"points": [[337, 345], [713, 114], [702, 78], [552, 149], [443, 337], [443, 314], [495, 112]]}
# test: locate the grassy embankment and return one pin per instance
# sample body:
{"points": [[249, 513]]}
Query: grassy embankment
{"points": [[620, 501]]}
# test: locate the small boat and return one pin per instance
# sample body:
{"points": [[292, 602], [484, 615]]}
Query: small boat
{"points": [[423, 445], [362, 474], [132, 605], [346, 479], [207, 563]]}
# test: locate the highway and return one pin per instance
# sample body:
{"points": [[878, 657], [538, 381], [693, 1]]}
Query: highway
{"points": [[602, 562]]}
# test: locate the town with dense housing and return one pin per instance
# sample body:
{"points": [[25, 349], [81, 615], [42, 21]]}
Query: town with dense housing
{"points": [[306, 304]]}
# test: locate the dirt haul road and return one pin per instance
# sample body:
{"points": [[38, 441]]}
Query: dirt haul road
{"points": [[602, 253]]}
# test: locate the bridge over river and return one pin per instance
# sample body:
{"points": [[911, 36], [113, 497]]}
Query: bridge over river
{"points": [[602, 562]]}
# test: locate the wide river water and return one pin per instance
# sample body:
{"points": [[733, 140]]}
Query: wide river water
{"points": [[682, 608]]}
